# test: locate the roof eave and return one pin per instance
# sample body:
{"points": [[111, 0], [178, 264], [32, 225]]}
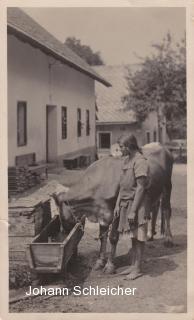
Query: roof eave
{"points": [[27, 38]]}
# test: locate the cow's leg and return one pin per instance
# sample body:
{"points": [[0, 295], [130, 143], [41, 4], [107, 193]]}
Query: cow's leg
{"points": [[113, 237], [166, 214], [101, 261], [152, 222], [168, 242]]}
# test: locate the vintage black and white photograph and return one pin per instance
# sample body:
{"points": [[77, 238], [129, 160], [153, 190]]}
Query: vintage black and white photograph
{"points": [[97, 159]]}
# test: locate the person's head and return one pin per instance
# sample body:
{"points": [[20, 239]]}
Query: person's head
{"points": [[128, 144]]}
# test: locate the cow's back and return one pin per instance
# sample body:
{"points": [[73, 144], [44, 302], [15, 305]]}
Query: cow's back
{"points": [[101, 179]]}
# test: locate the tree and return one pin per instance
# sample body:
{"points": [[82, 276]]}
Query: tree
{"points": [[84, 51], [160, 84]]}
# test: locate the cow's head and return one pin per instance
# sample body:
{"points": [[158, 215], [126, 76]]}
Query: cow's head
{"points": [[67, 218]]}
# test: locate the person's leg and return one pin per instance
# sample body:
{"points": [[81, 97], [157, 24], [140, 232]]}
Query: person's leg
{"points": [[137, 267], [133, 254], [139, 244], [133, 258]]}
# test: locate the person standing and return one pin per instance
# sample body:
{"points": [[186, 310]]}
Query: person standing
{"points": [[132, 206]]}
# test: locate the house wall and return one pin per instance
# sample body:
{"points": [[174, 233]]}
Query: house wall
{"points": [[117, 130], [31, 79], [150, 125], [140, 131]]}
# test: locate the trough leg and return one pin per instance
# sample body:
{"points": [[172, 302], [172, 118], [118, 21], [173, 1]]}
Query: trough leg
{"points": [[100, 263], [113, 237]]}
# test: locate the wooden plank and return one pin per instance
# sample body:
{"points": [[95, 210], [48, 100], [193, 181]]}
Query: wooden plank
{"points": [[45, 254], [38, 168], [52, 257], [13, 212], [42, 216], [49, 230], [47, 270], [71, 244]]}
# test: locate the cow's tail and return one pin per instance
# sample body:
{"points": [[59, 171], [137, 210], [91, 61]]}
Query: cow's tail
{"points": [[162, 226]]}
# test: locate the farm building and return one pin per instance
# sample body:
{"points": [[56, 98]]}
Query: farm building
{"points": [[51, 97], [112, 118]]}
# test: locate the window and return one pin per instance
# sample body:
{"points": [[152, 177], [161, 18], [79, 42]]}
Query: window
{"points": [[64, 122], [21, 123], [155, 136], [79, 123], [104, 140], [148, 136], [87, 122]]}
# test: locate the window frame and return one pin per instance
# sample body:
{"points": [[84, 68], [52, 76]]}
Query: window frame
{"points": [[79, 123], [63, 124], [88, 128], [148, 134], [99, 140], [22, 103], [155, 135]]}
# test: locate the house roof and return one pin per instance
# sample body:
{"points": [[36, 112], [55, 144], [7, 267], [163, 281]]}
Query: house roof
{"points": [[109, 101], [25, 28]]}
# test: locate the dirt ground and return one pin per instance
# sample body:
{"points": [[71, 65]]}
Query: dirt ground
{"points": [[161, 289]]}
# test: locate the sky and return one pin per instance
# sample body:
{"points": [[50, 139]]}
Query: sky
{"points": [[120, 34]]}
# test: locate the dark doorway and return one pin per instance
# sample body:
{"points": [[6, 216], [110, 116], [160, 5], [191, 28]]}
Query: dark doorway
{"points": [[104, 140]]}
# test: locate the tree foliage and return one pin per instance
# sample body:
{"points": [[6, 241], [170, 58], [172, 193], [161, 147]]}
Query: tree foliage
{"points": [[84, 51], [160, 83]]}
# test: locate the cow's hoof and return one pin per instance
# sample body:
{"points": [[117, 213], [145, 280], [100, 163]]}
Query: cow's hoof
{"points": [[100, 263], [151, 238], [109, 268], [168, 242]]}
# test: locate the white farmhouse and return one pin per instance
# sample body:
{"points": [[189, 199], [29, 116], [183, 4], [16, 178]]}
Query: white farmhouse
{"points": [[51, 96]]}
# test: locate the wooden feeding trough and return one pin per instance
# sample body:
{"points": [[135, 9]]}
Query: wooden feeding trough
{"points": [[51, 249]]}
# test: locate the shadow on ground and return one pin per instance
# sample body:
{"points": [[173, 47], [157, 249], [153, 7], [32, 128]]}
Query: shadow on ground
{"points": [[157, 248], [157, 261]]}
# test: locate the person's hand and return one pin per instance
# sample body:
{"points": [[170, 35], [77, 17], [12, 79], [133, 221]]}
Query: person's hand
{"points": [[131, 218], [116, 211]]}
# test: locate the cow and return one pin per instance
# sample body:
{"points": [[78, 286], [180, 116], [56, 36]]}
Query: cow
{"points": [[96, 193]]}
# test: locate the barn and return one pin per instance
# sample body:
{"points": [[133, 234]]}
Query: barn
{"points": [[112, 118]]}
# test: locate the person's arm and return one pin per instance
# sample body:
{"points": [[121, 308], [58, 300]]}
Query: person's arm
{"points": [[139, 194]]}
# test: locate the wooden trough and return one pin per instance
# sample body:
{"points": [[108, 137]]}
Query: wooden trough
{"points": [[51, 249]]}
